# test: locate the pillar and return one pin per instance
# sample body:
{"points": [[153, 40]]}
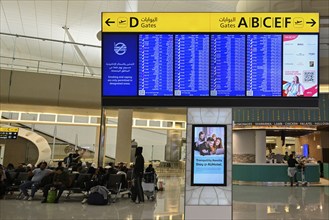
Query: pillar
{"points": [[124, 130], [100, 145], [260, 142]]}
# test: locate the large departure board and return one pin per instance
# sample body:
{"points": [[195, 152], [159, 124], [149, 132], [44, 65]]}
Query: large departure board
{"points": [[192, 65], [209, 66], [156, 65], [264, 62], [227, 65]]}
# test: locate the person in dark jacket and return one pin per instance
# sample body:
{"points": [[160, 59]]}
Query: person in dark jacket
{"points": [[60, 182], [292, 168], [137, 192]]}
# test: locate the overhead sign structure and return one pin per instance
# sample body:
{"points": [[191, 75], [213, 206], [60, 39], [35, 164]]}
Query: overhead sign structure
{"points": [[210, 59], [211, 22], [8, 133]]}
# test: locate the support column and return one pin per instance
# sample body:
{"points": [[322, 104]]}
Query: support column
{"points": [[100, 151], [260, 142], [124, 130]]}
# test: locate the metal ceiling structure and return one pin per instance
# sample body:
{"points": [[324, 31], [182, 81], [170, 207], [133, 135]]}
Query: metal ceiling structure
{"points": [[60, 37]]}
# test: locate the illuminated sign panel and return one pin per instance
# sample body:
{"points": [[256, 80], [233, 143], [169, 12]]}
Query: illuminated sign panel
{"points": [[188, 59], [8, 133]]}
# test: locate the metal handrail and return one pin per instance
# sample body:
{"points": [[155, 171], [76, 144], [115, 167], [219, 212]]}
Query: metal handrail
{"points": [[39, 68]]}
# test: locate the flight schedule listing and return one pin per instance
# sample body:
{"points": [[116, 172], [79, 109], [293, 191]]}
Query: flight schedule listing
{"points": [[155, 65], [227, 74], [264, 61], [191, 65]]}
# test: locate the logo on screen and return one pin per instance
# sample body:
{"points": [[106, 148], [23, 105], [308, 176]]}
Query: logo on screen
{"points": [[120, 48]]}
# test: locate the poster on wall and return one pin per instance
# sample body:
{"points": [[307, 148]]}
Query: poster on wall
{"points": [[208, 155], [300, 65]]}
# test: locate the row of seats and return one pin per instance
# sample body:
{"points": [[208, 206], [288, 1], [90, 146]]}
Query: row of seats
{"points": [[117, 184]]}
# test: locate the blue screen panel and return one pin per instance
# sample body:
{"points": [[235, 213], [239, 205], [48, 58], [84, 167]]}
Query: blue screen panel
{"points": [[156, 65], [191, 65], [227, 77], [264, 61], [119, 64]]}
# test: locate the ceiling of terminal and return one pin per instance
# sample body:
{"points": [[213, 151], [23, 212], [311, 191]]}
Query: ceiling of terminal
{"points": [[34, 31]]}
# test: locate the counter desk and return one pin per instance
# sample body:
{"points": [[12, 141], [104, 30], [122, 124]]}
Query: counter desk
{"points": [[326, 170], [268, 172]]}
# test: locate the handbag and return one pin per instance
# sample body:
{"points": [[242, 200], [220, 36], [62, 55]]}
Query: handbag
{"points": [[52, 195]]}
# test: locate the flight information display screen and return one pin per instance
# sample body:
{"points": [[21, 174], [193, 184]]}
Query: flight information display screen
{"points": [[185, 66], [264, 62], [156, 65], [192, 65], [227, 76]]}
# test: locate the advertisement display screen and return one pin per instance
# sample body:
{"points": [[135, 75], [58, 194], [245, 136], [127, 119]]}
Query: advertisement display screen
{"points": [[300, 65], [208, 155]]}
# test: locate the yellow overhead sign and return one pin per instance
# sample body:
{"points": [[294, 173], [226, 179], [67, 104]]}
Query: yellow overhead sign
{"points": [[10, 129], [211, 22]]}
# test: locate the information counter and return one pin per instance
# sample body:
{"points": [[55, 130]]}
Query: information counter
{"points": [[326, 170], [267, 172]]}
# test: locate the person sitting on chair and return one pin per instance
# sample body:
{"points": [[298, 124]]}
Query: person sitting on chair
{"points": [[38, 175], [60, 182]]}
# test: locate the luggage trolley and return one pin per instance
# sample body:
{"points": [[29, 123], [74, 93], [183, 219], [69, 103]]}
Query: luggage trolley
{"points": [[149, 185], [301, 169]]}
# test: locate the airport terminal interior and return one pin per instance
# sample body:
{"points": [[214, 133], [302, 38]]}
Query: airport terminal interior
{"points": [[52, 111]]}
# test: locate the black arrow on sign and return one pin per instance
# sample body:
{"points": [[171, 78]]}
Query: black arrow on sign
{"points": [[311, 22], [108, 22]]}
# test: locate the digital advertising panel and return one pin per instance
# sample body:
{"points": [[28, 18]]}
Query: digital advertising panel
{"points": [[300, 65], [208, 155]]}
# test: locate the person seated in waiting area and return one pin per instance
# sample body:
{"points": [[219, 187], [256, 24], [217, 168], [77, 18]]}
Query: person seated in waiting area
{"points": [[60, 182], [38, 175], [2, 182]]}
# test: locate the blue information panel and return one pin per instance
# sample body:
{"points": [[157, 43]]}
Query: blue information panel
{"points": [[227, 77], [264, 62], [191, 65], [156, 65], [120, 65]]}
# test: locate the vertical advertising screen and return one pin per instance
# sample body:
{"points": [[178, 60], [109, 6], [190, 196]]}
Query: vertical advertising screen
{"points": [[300, 65], [208, 155]]}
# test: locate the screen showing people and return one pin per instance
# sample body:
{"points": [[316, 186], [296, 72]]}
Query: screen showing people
{"points": [[300, 69], [208, 155]]}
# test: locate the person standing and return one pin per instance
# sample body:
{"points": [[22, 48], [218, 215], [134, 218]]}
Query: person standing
{"points": [[137, 193], [292, 168]]}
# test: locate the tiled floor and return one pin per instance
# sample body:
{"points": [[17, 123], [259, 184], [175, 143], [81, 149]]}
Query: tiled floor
{"points": [[250, 202]]}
